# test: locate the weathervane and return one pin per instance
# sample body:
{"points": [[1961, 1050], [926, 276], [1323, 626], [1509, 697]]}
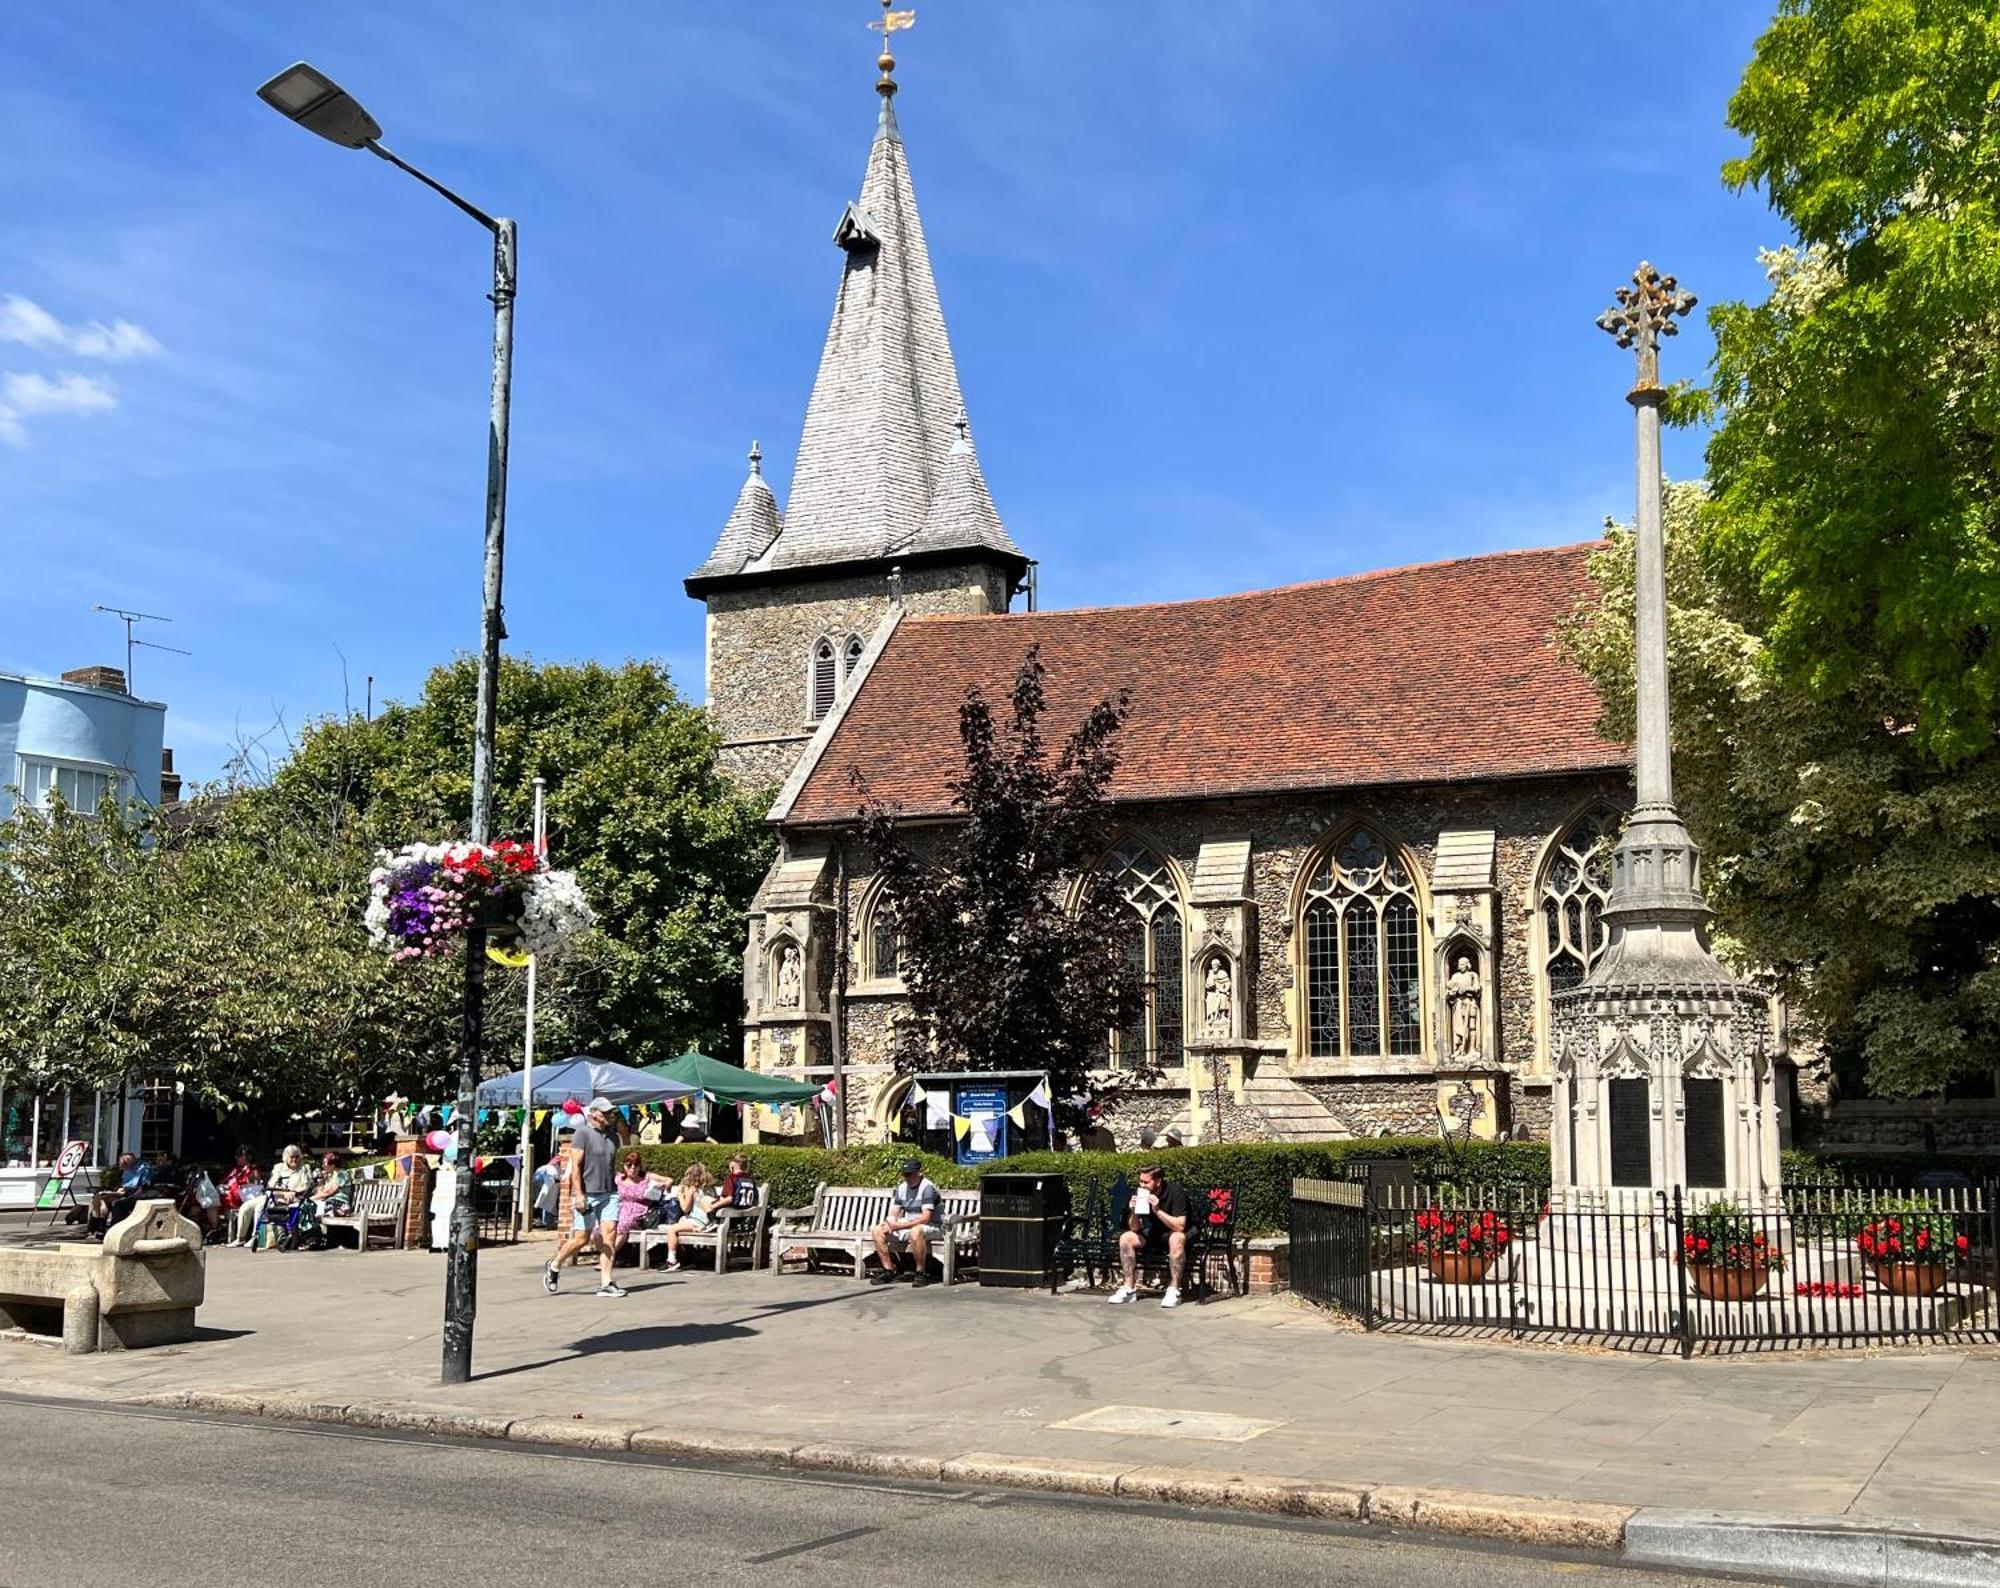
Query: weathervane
{"points": [[892, 22], [1643, 314]]}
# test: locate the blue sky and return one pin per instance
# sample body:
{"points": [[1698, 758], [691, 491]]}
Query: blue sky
{"points": [[1242, 293]]}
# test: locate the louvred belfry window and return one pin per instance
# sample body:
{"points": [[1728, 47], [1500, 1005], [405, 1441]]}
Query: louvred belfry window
{"points": [[825, 679], [1363, 944]]}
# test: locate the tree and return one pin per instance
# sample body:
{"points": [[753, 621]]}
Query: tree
{"points": [[668, 851], [1842, 859], [1854, 462], [1004, 971]]}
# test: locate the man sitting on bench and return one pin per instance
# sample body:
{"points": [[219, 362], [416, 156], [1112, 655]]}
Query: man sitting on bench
{"points": [[1156, 1222], [913, 1214]]}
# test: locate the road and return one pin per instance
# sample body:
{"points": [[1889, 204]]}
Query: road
{"points": [[105, 1495]]}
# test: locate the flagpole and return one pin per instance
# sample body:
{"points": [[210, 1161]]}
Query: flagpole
{"points": [[527, 1195]]}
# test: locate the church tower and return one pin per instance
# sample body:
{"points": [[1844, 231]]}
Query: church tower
{"points": [[888, 509]]}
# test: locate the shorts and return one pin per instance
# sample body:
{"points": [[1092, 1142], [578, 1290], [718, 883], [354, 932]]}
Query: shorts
{"points": [[901, 1238], [591, 1211]]}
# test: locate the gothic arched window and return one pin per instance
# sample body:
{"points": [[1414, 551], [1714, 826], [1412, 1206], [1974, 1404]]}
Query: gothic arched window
{"points": [[1570, 897], [825, 679], [883, 948], [1152, 941], [1363, 953], [852, 659]]}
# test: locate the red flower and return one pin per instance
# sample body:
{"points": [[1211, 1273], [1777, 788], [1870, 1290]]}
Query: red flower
{"points": [[1758, 1239], [1463, 1244], [1687, 1243], [1500, 1235], [1701, 1243], [1963, 1243]]}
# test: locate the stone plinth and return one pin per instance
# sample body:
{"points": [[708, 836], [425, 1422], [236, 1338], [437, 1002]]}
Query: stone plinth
{"points": [[140, 1287]]}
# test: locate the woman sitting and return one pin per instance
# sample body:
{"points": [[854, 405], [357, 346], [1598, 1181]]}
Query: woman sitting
{"points": [[698, 1204], [640, 1193], [331, 1195], [290, 1180]]}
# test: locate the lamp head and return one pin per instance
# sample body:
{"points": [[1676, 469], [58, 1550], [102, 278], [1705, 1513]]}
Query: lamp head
{"points": [[317, 103]]}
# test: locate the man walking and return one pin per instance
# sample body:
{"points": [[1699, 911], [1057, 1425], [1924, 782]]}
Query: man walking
{"points": [[593, 1181]]}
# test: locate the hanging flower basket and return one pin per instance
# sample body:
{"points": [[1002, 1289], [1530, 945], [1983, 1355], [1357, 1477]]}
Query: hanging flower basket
{"points": [[423, 897]]}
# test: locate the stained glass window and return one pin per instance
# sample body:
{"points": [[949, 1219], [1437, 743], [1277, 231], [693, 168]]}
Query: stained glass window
{"points": [[1154, 947], [1576, 885], [1363, 945]]}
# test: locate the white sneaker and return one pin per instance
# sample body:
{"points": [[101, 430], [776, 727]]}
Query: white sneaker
{"points": [[1123, 1294], [1172, 1298], [609, 1289]]}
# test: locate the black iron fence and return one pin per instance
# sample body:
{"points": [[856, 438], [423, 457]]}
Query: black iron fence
{"points": [[1655, 1270]]}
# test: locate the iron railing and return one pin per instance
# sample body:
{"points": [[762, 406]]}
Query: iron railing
{"points": [[1822, 1264]]}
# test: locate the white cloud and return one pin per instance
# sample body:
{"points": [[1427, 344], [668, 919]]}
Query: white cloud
{"points": [[23, 395], [23, 320]]}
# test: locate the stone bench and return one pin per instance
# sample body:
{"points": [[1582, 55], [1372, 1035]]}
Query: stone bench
{"points": [[138, 1287]]}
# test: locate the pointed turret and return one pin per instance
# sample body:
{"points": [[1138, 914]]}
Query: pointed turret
{"points": [[753, 524], [961, 511]]}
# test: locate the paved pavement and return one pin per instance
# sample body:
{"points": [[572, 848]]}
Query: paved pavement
{"points": [[1872, 1436], [173, 1499]]}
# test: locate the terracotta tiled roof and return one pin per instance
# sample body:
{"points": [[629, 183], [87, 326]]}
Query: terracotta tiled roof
{"points": [[1445, 672]]}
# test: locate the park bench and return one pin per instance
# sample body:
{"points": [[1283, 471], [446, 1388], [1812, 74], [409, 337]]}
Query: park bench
{"points": [[1097, 1220], [379, 1205], [737, 1232], [841, 1218]]}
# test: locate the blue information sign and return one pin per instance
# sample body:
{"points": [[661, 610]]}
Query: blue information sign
{"points": [[986, 1107]]}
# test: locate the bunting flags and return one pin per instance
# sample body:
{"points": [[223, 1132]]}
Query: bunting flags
{"points": [[450, 1112], [960, 1125], [1019, 1115], [541, 1115], [1040, 1097]]}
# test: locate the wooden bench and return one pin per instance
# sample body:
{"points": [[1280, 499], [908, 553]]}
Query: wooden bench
{"points": [[378, 1205], [736, 1232], [842, 1218]]}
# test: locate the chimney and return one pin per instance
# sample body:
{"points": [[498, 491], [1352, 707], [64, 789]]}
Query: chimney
{"points": [[170, 780], [111, 678]]}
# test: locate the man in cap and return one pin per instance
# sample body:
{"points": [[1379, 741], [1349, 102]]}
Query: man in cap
{"points": [[913, 1214], [592, 1161]]}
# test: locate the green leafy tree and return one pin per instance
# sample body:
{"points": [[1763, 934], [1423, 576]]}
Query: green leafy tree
{"points": [[1854, 461], [666, 848], [1842, 859], [1005, 971]]}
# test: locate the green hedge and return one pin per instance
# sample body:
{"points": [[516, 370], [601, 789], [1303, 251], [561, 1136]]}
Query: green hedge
{"points": [[1262, 1171], [1805, 1167]]}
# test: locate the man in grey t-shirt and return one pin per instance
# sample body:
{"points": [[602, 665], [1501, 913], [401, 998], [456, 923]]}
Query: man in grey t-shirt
{"points": [[592, 1155], [913, 1215]]}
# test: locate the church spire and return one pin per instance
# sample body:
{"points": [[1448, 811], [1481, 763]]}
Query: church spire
{"points": [[877, 442]]}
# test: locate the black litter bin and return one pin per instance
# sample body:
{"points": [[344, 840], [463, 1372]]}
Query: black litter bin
{"points": [[1021, 1217]]}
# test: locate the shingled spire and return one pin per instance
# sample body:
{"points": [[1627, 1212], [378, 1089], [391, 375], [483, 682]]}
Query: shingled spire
{"points": [[753, 524], [961, 511]]}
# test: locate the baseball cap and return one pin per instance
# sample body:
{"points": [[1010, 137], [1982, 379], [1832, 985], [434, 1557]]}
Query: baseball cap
{"points": [[913, 1165], [600, 1105]]}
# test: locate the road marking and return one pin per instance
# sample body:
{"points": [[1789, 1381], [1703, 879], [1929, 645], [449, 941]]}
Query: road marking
{"points": [[817, 1543]]}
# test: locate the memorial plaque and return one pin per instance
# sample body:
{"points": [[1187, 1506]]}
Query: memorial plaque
{"points": [[1631, 1134], [1707, 1159]]}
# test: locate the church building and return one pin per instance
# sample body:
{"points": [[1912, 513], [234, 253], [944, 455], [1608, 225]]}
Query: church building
{"points": [[1361, 824]]}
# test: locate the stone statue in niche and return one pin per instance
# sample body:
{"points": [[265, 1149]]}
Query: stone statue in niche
{"points": [[1461, 992], [788, 990], [1215, 996]]}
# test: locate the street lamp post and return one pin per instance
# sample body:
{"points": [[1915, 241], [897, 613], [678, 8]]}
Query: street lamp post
{"points": [[313, 100]]}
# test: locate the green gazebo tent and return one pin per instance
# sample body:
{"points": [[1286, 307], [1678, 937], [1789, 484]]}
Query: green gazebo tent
{"points": [[731, 1083]]}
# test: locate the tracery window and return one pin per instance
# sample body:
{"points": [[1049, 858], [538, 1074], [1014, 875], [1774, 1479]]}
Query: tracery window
{"points": [[1363, 953], [1153, 944], [1575, 887], [825, 678]]}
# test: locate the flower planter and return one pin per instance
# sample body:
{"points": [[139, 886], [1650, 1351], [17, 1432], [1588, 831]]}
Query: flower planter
{"points": [[1911, 1279], [1715, 1283], [1459, 1268]]}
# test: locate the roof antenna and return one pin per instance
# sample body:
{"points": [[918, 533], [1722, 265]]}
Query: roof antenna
{"points": [[128, 619]]}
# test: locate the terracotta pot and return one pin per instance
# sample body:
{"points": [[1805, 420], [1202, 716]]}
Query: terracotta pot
{"points": [[1911, 1279], [1459, 1268], [1714, 1283]]}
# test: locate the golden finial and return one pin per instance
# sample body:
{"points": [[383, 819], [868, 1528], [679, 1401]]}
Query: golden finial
{"points": [[892, 22]]}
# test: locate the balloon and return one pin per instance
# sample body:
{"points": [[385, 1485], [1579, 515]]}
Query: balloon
{"points": [[572, 1106], [438, 1140]]}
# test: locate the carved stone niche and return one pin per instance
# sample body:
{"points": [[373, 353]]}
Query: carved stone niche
{"points": [[1467, 1000], [1218, 1005]]}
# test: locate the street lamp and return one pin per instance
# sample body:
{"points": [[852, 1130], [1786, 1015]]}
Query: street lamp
{"points": [[309, 97]]}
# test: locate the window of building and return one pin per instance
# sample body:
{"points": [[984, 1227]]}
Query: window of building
{"points": [[82, 787], [1575, 887], [1153, 945], [825, 678], [852, 658], [882, 945], [1363, 953]]}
